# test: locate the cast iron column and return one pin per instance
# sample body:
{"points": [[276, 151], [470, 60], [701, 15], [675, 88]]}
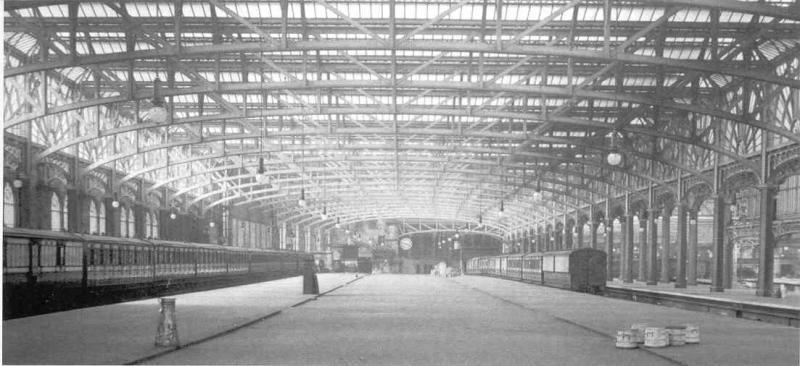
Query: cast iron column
{"points": [[766, 239], [718, 243], [727, 253], [642, 275], [665, 243], [628, 242], [680, 276], [652, 250], [609, 227], [691, 264]]}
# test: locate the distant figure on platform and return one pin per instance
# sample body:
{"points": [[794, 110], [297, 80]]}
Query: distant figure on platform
{"points": [[310, 283]]}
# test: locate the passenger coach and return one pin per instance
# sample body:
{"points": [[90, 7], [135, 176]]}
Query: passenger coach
{"points": [[57, 270], [582, 270]]}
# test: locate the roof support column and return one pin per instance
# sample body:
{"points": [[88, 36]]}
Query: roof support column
{"points": [[567, 235], [297, 237], [691, 264], [680, 235], [766, 260], [665, 243], [718, 242], [680, 232], [652, 246], [540, 238], [642, 273], [627, 266]]}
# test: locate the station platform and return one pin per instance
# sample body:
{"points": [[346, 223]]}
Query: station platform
{"points": [[740, 293], [392, 320], [125, 332]]}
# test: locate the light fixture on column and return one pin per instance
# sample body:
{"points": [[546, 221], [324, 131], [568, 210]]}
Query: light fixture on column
{"points": [[302, 201], [115, 202], [502, 208], [614, 158], [324, 214], [211, 224], [17, 182], [172, 214], [157, 113]]}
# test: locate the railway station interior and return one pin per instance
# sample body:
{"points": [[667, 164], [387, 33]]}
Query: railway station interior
{"points": [[400, 181]]}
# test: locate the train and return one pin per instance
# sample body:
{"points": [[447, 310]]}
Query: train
{"points": [[582, 270], [47, 271]]}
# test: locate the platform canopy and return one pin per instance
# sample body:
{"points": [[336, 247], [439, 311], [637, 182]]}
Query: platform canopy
{"points": [[498, 113]]}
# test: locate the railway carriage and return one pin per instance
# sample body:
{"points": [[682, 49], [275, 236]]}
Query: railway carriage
{"points": [[581, 269], [66, 268]]}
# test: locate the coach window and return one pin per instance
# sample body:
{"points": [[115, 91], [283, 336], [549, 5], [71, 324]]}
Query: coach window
{"points": [[55, 213], [94, 220], [154, 226], [148, 231], [9, 203], [65, 214], [101, 219], [131, 223], [123, 222]]}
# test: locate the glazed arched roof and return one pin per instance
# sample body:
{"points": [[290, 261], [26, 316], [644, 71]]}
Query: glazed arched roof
{"points": [[432, 110]]}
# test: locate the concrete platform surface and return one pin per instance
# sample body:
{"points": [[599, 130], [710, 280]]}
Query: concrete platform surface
{"points": [[422, 320], [739, 293], [121, 333]]}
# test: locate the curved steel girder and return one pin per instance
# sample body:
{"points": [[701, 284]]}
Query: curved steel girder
{"points": [[486, 190], [446, 197], [489, 233], [471, 172], [347, 220], [447, 132], [178, 53], [513, 213], [388, 147], [444, 192], [329, 224], [444, 202], [290, 209], [388, 177], [323, 131], [677, 138], [391, 147], [566, 92]]}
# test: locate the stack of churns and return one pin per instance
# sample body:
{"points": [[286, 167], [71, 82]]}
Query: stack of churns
{"points": [[657, 337]]}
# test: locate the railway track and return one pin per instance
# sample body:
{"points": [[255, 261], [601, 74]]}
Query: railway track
{"points": [[776, 314]]}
